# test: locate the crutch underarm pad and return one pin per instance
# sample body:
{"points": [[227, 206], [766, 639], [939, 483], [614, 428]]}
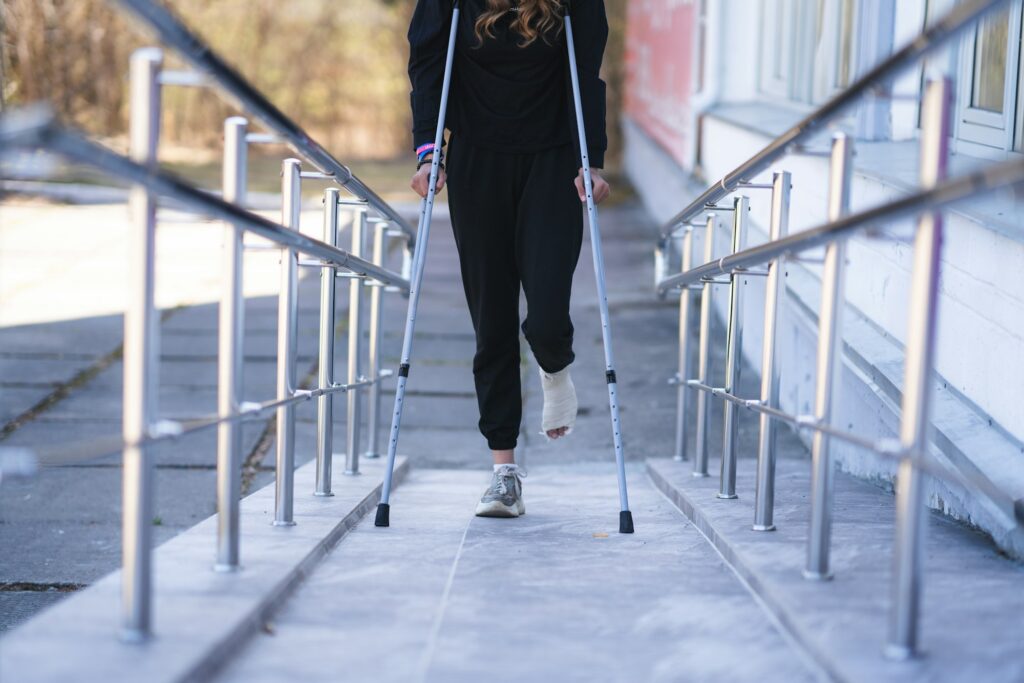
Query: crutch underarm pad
{"points": [[625, 522], [384, 515]]}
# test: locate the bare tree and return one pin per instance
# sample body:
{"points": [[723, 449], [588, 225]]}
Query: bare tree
{"points": [[337, 67]]}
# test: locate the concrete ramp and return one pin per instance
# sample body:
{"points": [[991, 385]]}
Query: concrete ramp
{"points": [[556, 595]]}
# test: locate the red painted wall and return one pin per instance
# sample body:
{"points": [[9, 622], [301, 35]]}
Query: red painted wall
{"points": [[659, 71]]}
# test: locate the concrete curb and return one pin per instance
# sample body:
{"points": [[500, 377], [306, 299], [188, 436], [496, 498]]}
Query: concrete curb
{"points": [[201, 617]]}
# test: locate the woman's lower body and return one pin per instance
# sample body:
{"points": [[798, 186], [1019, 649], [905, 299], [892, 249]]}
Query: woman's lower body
{"points": [[518, 224]]}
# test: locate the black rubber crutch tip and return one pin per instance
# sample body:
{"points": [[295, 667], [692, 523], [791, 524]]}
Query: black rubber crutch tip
{"points": [[383, 515], [625, 522]]}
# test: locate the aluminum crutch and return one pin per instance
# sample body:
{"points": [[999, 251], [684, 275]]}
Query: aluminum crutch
{"points": [[625, 516], [418, 260]]}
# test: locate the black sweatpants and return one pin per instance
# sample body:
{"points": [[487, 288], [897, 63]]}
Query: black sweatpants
{"points": [[518, 221]]}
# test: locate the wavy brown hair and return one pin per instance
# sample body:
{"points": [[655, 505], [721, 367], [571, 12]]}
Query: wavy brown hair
{"points": [[535, 19]]}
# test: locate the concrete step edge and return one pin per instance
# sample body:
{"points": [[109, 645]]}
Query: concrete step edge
{"points": [[197, 628], [970, 599], [800, 640]]}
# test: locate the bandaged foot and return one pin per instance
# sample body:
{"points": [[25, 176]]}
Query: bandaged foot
{"points": [[559, 403]]}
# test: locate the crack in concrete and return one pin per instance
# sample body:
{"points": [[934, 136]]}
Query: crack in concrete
{"points": [[31, 587], [64, 389], [61, 392], [251, 465]]}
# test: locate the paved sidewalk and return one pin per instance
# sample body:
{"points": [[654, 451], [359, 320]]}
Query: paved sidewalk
{"points": [[62, 283]]}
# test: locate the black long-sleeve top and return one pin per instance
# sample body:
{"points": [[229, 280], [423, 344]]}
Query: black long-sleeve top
{"points": [[505, 96]]}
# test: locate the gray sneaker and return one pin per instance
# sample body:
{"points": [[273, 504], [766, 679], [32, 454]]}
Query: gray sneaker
{"points": [[504, 497]]}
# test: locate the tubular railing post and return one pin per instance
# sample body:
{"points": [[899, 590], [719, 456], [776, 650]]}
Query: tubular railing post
{"points": [[380, 232], [141, 358], [733, 354], [764, 494], [915, 419], [700, 458], [685, 298], [230, 357], [829, 363], [355, 342], [325, 403], [287, 315]]}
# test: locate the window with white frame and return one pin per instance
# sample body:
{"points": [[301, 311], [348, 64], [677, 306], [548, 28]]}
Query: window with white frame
{"points": [[808, 48], [989, 119], [843, 71], [988, 110], [778, 20]]}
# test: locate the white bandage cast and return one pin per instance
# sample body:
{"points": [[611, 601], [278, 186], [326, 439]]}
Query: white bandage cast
{"points": [[559, 401]]}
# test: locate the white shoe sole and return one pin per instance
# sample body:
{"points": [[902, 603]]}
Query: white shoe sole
{"points": [[498, 509]]}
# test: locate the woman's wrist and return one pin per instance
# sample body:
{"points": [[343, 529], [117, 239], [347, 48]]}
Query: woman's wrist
{"points": [[428, 159], [423, 150]]}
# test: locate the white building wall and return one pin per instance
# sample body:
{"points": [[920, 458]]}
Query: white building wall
{"points": [[980, 357], [981, 324]]}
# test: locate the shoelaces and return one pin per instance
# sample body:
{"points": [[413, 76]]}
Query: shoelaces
{"points": [[503, 474]]}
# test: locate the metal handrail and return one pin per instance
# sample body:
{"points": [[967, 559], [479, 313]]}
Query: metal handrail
{"points": [[960, 18], [989, 179], [911, 449], [886, 448], [178, 428], [38, 128], [174, 33]]}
